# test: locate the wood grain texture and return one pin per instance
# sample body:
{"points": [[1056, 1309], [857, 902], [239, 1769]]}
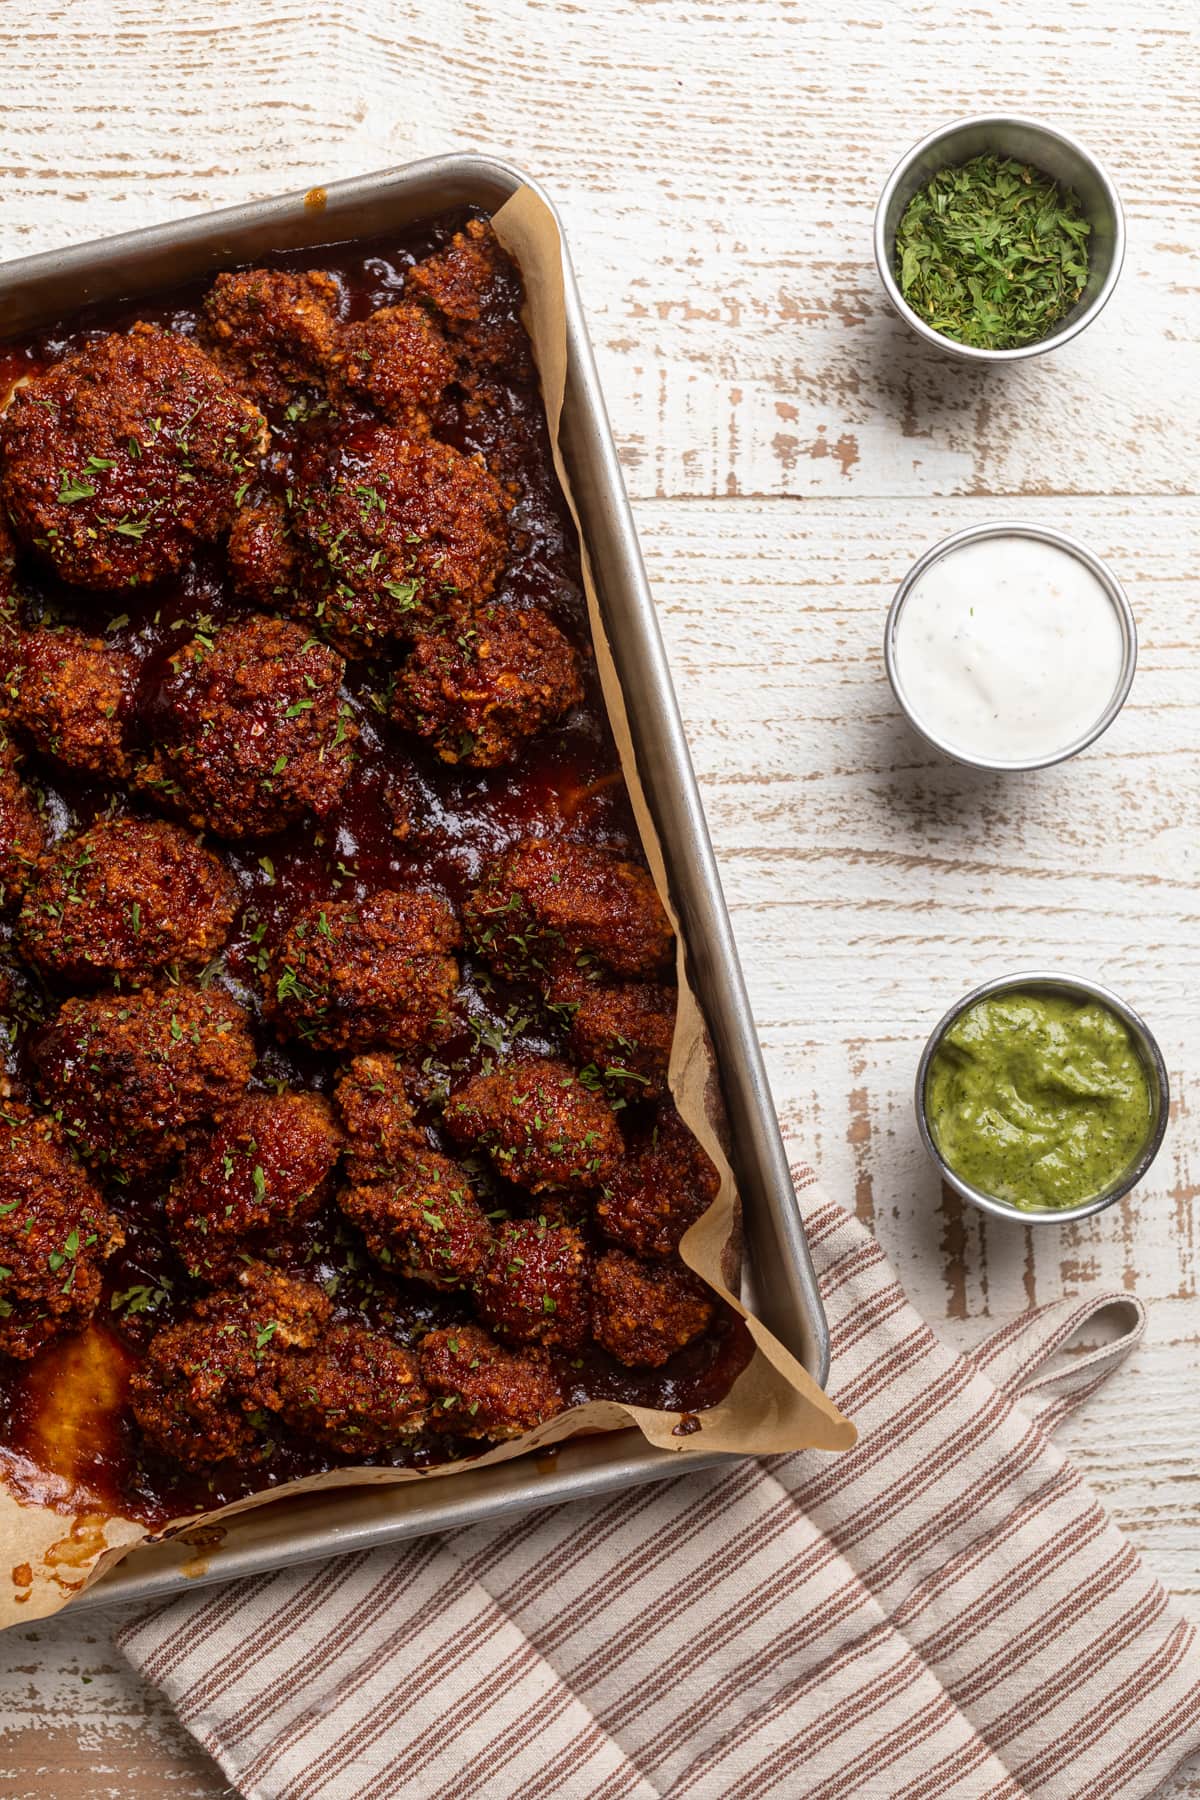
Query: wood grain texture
{"points": [[789, 449]]}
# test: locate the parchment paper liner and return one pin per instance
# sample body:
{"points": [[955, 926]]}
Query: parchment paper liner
{"points": [[55, 1541]]}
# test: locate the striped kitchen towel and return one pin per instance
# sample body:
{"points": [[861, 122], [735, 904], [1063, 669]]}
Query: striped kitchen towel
{"points": [[944, 1613]]}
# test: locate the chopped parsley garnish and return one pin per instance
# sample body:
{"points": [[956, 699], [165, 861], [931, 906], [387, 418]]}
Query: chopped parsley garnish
{"points": [[73, 489], [992, 253]]}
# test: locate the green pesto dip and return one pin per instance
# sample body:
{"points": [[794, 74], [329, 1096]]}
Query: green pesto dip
{"points": [[1037, 1099]]}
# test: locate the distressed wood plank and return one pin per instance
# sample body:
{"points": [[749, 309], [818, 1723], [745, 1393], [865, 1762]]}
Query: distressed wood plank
{"points": [[75, 1725]]}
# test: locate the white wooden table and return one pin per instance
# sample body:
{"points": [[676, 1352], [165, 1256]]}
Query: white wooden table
{"points": [[789, 451]]}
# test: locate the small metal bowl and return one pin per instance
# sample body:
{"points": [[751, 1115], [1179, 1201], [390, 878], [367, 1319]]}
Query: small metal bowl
{"points": [[1045, 148], [1104, 575], [1077, 988]]}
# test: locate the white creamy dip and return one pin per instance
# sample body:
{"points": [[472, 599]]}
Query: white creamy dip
{"points": [[1008, 649]]}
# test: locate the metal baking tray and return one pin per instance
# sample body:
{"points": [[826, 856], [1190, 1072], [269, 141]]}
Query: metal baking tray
{"points": [[779, 1283]]}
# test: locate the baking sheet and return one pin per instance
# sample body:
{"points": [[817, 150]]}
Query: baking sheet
{"points": [[58, 1545]]}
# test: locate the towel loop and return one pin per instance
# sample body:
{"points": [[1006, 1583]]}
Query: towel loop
{"points": [[1025, 1358]]}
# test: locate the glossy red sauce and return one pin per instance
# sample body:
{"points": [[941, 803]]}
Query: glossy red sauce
{"points": [[568, 784]]}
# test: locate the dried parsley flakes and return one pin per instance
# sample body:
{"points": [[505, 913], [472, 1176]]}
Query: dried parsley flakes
{"points": [[992, 253]]}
